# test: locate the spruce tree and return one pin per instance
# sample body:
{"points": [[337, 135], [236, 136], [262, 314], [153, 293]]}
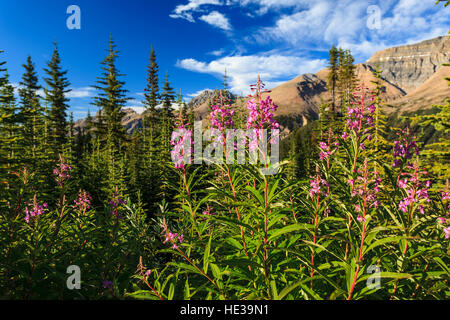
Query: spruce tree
{"points": [[167, 99], [111, 99], [151, 93], [9, 130], [333, 76], [55, 95], [31, 116], [379, 144]]}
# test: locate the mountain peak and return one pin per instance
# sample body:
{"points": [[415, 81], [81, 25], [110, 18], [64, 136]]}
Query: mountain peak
{"points": [[409, 66]]}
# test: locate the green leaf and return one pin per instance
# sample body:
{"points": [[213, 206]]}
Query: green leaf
{"points": [[142, 295], [273, 289], [288, 229], [206, 255]]}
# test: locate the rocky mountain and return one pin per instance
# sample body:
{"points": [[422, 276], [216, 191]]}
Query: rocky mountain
{"points": [[131, 120], [409, 66]]}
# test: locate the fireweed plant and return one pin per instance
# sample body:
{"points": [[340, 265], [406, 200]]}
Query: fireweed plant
{"points": [[39, 242], [348, 231], [245, 237]]}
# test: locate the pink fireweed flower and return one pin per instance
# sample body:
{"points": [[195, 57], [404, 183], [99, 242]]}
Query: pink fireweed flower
{"points": [[261, 113], [62, 171], [173, 238], [261, 117], [221, 115], [364, 190], [416, 191], [318, 186], [324, 150], [402, 183], [35, 210], [82, 202], [208, 212], [359, 116], [405, 147], [447, 232], [359, 218], [182, 141]]}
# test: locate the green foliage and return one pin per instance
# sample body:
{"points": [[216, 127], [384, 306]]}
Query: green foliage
{"points": [[55, 95], [114, 205]]}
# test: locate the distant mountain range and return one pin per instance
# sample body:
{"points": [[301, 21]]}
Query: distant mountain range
{"points": [[413, 75]]}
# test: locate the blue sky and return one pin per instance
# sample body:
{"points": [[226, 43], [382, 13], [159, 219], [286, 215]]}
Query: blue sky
{"points": [[196, 40]]}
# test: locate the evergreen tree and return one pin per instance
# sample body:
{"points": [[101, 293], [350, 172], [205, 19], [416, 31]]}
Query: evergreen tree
{"points": [[56, 96], [379, 142], [111, 99], [151, 91], [167, 98], [9, 130], [347, 77], [333, 76], [31, 116]]}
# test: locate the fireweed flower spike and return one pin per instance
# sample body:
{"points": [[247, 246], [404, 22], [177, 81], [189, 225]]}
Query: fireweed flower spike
{"points": [[171, 237], [181, 138], [35, 210], [447, 232], [416, 191], [405, 147], [62, 171], [82, 202], [359, 115], [261, 112], [221, 117]]}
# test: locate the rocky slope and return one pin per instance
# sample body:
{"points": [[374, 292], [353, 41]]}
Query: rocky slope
{"points": [[409, 66], [131, 120]]}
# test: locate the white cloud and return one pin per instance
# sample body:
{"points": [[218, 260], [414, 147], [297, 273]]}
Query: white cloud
{"points": [[83, 92], [243, 70], [217, 20], [217, 53], [184, 11], [75, 93], [319, 24], [264, 6]]}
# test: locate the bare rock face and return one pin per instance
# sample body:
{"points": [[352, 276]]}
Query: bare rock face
{"points": [[130, 121], [411, 65]]}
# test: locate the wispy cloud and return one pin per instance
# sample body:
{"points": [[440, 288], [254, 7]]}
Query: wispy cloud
{"points": [[344, 23], [217, 53], [83, 92], [243, 70], [217, 19], [185, 11]]}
